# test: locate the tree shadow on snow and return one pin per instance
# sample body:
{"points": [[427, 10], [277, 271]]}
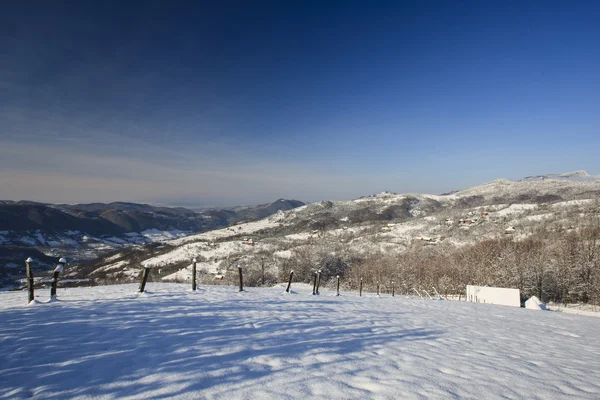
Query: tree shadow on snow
{"points": [[131, 346]]}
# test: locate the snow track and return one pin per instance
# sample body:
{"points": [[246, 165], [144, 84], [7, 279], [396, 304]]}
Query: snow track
{"points": [[109, 342]]}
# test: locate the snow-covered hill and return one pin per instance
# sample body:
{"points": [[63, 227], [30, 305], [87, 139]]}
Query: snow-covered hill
{"points": [[85, 231], [386, 222], [109, 342], [576, 176]]}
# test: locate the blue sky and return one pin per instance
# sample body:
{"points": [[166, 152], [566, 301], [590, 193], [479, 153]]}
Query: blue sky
{"points": [[246, 102]]}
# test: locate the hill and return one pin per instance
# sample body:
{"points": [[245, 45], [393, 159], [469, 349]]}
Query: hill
{"points": [[541, 237], [85, 231]]}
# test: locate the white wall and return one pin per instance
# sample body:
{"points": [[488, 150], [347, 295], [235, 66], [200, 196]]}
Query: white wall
{"points": [[494, 295]]}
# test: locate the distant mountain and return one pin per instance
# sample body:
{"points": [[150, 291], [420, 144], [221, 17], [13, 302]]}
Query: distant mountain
{"points": [[85, 231], [264, 210], [576, 176], [118, 218]]}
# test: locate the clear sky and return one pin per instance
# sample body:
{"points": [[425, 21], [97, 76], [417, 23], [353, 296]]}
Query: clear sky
{"points": [[225, 103]]}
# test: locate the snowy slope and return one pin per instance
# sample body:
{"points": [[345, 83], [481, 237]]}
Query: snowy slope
{"points": [[575, 176], [109, 342]]}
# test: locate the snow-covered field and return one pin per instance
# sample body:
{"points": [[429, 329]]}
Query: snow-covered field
{"points": [[109, 342]]}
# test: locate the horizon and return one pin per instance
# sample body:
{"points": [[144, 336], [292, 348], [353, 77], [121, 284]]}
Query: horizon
{"points": [[221, 105], [195, 206]]}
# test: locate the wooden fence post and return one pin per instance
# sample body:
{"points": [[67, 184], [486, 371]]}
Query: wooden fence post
{"points": [[338, 285], [194, 275], [315, 284], [377, 289], [318, 280], [290, 282], [241, 278], [59, 268], [144, 278], [360, 288], [29, 279], [393, 289]]}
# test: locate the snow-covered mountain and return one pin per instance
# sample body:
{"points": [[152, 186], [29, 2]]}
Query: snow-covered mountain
{"points": [[86, 231], [385, 223], [576, 176]]}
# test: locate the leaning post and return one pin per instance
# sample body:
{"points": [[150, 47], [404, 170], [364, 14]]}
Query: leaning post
{"points": [[194, 275], [338, 285], [290, 282], [144, 279], [29, 279], [59, 268]]}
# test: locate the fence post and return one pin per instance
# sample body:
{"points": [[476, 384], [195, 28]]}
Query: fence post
{"points": [[318, 280], [338, 285], [290, 282], [241, 278], [59, 268], [29, 279], [315, 284], [393, 289], [360, 288], [194, 275], [144, 279], [377, 289]]}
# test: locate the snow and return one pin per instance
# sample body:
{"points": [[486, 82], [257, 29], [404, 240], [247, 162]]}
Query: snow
{"points": [[540, 217], [185, 274], [111, 267], [110, 342], [29, 241], [113, 257], [299, 236], [283, 254], [240, 229], [533, 303], [40, 238], [114, 240], [159, 236], [572, 203], [191, 250], [515, 209]]}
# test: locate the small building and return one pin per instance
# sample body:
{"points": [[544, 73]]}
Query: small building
{"points": [[494, 295]]}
